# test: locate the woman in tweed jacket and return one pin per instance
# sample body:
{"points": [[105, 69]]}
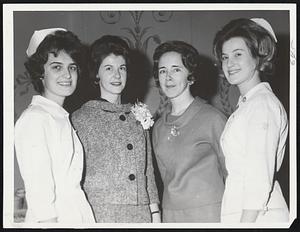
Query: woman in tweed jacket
{"points": [[119, 181]]}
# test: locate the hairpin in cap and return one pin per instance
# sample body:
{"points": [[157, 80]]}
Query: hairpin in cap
{"points": [[266, 25], [38, 37]]}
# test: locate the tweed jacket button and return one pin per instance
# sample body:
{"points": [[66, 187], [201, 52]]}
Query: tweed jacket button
{"points": [[129, 146], [131, 177], [122, 117]]}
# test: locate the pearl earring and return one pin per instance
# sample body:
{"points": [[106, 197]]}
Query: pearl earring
{"points": [[96, 82]]}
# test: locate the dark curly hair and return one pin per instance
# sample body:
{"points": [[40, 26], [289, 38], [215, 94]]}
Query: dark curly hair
{"points": [[259, 41], [189, 54], [104, 46], [54, 43]]}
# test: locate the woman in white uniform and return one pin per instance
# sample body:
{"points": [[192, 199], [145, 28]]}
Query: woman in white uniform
{"points": [[253, 140], [49, 153]]}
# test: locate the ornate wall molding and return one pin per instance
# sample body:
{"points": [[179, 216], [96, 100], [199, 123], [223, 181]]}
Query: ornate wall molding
{"points": [[139, 36], [22, 84], [110, 17], [162, 16]]}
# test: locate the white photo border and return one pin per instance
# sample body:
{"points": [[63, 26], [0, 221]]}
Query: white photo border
{"points": [[8, 104]]}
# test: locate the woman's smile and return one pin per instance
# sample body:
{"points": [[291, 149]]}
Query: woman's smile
{"points": [[116, 83], [233, 71], [65, 83], [168, 86]]}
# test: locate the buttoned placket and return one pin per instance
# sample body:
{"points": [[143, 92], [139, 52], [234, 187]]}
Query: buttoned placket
{"points": [[130, 148]]}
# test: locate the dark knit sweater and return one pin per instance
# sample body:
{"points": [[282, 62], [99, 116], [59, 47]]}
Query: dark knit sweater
{"points": [[189, 157]]}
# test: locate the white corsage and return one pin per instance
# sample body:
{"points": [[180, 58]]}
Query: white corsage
{"points": [[142, 114]]}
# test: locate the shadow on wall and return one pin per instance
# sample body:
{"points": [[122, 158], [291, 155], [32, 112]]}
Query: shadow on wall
{"points": [[280, 83], [206, 86], [140, 72], [84, 92], [86, 88]]}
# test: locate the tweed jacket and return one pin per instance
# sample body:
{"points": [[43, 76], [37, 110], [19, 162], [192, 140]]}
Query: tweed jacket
{"points": [[119, 167]]}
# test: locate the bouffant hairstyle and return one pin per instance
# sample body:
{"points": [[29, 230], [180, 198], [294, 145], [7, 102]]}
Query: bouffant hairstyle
{"points": [[53, 43], [259, 41], [190, 58], [101, 48]]}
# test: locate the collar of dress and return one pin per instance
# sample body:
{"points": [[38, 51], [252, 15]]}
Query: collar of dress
{"points": [[252, 92], [50, 106], [109, 107], [186, 116]]}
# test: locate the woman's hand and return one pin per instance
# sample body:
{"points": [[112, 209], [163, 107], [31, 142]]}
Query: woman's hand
{"points": [[156, 218], [51, 220], [155, 213], [249, 215]]}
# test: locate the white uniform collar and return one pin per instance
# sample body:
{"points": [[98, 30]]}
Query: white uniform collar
{"points": [[253, 91], [50, 106]]}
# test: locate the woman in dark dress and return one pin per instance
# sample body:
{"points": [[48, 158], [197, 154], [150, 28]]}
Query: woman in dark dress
{"points": [[186, 140]]}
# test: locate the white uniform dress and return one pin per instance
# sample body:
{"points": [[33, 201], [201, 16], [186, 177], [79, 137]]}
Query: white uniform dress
{"points": [[253, 142], [50, 158]]}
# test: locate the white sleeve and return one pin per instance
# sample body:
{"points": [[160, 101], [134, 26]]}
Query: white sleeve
{"points": [[35, 164], [261, 148]]}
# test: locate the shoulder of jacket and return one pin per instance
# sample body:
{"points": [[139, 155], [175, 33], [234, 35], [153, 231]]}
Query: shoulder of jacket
{"points": [[84, 112]]}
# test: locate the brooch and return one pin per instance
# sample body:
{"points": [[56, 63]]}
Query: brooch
{"points": [[173, 132]]}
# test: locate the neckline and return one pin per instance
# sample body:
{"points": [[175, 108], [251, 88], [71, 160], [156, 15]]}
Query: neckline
{"points": [[50, 106], [107, 106], [251, 92], [186, 116], [182, 111], [171, 118]]}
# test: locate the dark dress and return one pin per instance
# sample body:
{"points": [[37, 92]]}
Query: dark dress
{"points": [[191, 163]]}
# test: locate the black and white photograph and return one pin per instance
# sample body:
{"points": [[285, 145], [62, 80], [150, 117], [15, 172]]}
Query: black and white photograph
{"points": [[149, 115]]}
